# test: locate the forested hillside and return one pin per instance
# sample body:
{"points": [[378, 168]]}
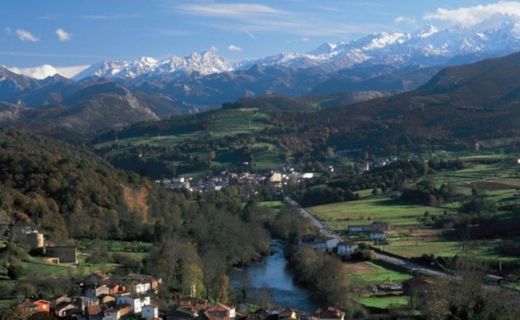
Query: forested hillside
{"points": [[69, 192]]}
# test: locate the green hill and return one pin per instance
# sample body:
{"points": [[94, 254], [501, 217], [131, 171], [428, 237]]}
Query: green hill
{"points": [[70, 192]]}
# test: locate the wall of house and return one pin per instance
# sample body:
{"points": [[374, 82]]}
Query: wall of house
{"points": [[65, 254]]}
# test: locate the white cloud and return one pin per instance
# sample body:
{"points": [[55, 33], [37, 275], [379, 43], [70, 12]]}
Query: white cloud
{"points": [[232, 47], [230, 10], [44, 71], [402, 19], [25, 35], [470, 16], [305, 39], [63, 35]]}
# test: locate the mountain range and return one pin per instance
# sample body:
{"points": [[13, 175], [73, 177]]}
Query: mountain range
{"points": [[117, 93]]}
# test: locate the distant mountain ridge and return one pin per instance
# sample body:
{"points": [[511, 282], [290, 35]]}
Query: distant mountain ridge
{"points": [[149, 89], [428, 46]]}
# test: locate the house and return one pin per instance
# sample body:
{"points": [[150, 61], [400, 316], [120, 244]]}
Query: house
{"points": [[150, 312], [347, 248], [115, 288], [188, 308], [107, 299], [328, 314], [66, 309], [134, 301], [380, 226], [378, 237], [95, 291], [116, 313], [275, 177], [357, 229], [219, 312], [321, 243], [43, 305], [67, 254], [83, 302], [142, 287], [375, 226], [94, 312], [26, 235], [144, 283]]}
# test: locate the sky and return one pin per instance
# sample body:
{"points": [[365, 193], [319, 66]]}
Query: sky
{"points": [[78, 32]]}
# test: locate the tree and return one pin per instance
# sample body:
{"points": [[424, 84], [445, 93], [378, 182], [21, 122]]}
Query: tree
{"points": [[466, 298]]}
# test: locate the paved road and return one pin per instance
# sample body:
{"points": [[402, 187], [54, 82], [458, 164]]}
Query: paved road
{"points": [[404, 263]]}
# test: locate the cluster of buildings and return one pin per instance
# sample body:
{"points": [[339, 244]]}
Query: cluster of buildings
{"points": [[103, 299], [193, 308], [29, 237], [344, 249], [375, 231], [226, 178]]}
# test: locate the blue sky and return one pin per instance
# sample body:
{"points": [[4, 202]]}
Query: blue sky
{"points": [[77, 32]]}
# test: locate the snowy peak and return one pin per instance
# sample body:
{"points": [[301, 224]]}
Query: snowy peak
{"points": [[204, 63]]}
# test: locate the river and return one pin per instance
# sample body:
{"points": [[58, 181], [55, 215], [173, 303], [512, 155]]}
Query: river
{"points": [[271, 279]]}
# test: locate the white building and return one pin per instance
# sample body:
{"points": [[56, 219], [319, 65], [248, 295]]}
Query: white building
{"points": [[347, 248], [378, 236], [322, 244], [134, 301], [142, 287]]}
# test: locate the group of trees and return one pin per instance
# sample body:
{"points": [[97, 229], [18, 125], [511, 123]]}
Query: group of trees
{"points": [[215, 236], [325, 276], [426, 193], [465, 297]]}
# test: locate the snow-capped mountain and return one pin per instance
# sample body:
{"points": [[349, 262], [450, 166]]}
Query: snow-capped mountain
{"points": [[428, 46], [205, 63]]}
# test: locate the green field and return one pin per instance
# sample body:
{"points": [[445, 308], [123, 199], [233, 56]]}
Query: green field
{"points": [[219, 126], [385, 302], [369, 273], [340, 215]]}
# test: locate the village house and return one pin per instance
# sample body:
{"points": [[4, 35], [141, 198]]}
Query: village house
{"points": [[378, 237], [367, 228], [36, 306], [142, 287], [134, 301], [116, 288], [219, 312], [116, 313], [25, 235], [95, 291], [347, 249], [83, 302], [150, 312], [275, 177], [66, 254], [65, 309], [327, 244], [107, 299], [188, 308], [328, 314]]}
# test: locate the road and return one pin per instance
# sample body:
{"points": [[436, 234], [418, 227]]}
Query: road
{"points": [[403, 263]]}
